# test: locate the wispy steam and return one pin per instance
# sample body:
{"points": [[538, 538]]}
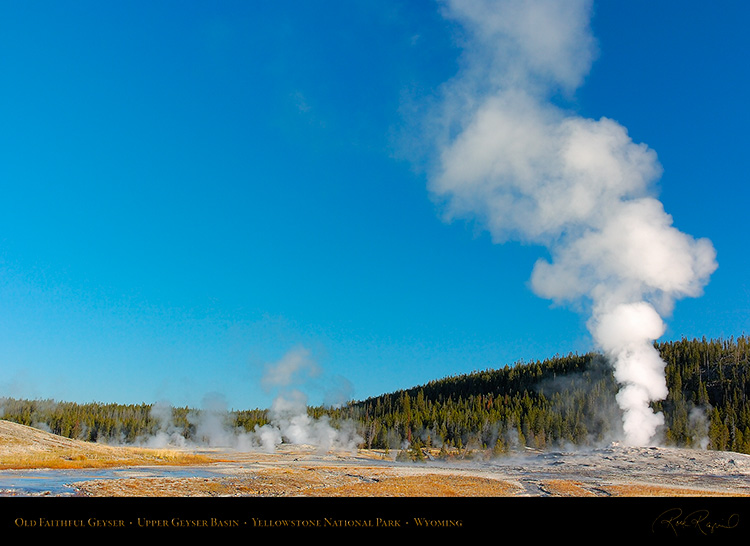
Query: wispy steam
{"points": [[529, 170], [288, 418]]}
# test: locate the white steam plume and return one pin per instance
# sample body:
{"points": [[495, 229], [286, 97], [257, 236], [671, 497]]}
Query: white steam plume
{"points": [[288, 416], [531, 171]]}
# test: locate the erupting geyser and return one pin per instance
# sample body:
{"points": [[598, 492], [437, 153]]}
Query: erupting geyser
{"points": [[529, 170]]}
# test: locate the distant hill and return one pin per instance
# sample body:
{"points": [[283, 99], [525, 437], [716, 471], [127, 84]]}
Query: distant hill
{"points": [[567, 400]]}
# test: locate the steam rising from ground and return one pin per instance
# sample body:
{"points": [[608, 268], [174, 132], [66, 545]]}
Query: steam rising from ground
{"points": [[289, 421], [531, 171]]}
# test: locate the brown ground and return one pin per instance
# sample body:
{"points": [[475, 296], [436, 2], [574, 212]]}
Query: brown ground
{"points": [[301, 471], [28, 447]]}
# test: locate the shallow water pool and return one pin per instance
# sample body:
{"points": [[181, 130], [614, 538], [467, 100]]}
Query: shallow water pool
{"points": [[23, 483]]}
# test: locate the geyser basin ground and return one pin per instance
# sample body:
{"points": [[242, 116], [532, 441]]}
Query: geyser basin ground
{"points": [[301, 471]]}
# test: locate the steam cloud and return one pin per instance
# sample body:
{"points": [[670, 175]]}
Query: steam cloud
{"points": [[288, 417], [288, 414], [531, 171]]}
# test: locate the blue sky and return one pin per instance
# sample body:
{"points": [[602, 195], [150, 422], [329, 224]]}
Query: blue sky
{"points": [[192, 190]]}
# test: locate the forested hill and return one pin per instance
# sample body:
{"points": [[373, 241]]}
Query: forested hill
{"points": [[564, 400], [567, 400]]}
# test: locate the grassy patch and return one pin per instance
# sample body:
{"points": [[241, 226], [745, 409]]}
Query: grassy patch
{"points": [[66, 459]]}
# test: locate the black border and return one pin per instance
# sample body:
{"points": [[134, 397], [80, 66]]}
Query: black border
{"points": [[683, 518]]}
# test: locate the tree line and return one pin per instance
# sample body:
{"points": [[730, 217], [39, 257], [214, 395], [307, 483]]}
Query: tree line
{"points": [[561, 401], [567, 400]]}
